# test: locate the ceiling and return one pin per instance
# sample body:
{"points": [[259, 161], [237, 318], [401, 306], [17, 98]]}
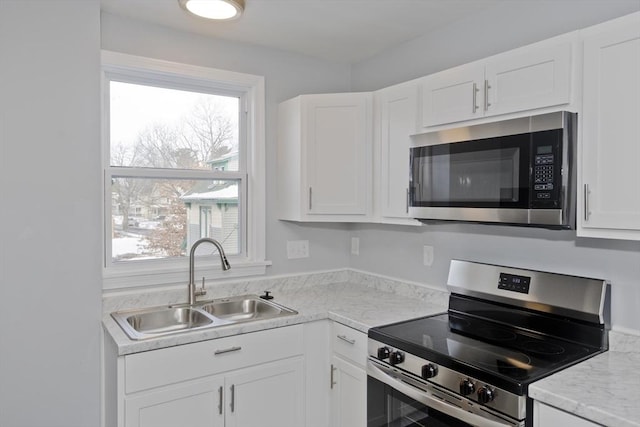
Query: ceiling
{"points": [[346, 31]]}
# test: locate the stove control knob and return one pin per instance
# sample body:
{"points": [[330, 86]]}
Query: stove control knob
{"points": [[485, 394], [396, 357], [466, 387], [383, 353], [429, 371]]}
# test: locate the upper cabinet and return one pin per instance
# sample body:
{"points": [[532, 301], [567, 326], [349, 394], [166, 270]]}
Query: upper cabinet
{"points": [[609, 180], [531, 77], [396, 118], [325, 157]]}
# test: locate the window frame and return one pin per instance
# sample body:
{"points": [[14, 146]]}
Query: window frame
{"points": [[251, 174]]}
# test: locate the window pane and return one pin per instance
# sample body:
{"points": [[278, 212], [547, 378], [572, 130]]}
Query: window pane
{"points": [[161, 218], [168, 128]]}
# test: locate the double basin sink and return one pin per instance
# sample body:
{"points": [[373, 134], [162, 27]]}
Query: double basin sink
{"points": [[159, 321]]}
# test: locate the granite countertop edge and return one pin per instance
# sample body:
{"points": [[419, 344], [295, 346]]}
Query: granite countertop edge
{"points": [[604, 389]]}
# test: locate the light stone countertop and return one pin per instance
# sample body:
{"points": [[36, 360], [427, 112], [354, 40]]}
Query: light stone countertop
{"points": [[360, 306], [604, 389]]}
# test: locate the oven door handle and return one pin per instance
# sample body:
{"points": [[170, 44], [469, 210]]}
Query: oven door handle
{"points": [[391, 378]]}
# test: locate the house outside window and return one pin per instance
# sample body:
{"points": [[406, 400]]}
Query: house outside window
{"points": [[178, 142]]}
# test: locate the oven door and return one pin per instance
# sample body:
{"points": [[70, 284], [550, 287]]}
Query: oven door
{"points": [[392, 401]]}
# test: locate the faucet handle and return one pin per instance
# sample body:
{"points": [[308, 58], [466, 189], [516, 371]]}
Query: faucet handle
{"points": [[202, 290]]}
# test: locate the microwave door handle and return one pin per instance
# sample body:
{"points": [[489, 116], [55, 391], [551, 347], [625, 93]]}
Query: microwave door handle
{"points": [[390, 378]]}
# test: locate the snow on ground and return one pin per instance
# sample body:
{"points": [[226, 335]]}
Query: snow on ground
{"points": [[127, 245]]}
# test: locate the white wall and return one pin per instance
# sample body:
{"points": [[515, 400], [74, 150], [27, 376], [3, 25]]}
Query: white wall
{"points": [[397, 251], [286, 76], [50, 296]]}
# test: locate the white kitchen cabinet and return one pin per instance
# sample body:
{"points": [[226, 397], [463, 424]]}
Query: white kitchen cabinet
{"points": [[527, 78], [348, 377], [452, 95], [325, 157], [349, 394], [196, 403], [269, 395], [250, 379], [609, 180], [545, 416], [396, 119]]}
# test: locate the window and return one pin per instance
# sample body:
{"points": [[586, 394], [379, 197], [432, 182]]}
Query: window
{"points": [[183, 159]]}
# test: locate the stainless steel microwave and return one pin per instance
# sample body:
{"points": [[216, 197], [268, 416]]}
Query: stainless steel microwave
{"points": [[518, 172]]}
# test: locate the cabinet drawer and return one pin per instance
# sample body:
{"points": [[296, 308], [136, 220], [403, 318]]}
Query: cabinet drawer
{"points": [[174, 364], [349, 343]]}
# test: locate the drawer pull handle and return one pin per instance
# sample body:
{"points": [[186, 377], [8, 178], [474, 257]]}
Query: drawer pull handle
{"points": [[344, 338], [227, 350]]}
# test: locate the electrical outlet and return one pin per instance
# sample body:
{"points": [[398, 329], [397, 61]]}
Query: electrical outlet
{"points": [[297, 249], [427, 255], [355, 246]]}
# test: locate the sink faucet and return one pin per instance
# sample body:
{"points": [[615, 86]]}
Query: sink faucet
{"points": [[193, 293]]}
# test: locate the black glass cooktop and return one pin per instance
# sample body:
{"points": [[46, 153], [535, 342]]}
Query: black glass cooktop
{"points": [[506, 356]]}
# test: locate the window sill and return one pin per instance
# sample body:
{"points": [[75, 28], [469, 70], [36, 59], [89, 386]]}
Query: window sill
{"points": [[151, 274]]}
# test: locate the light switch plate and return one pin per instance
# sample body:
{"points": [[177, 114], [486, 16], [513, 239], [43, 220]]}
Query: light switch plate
{"points": [[427, 255], [297, 249], [355, 246]]}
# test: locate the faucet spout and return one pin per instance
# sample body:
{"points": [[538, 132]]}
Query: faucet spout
{"points": [[223, 260]]}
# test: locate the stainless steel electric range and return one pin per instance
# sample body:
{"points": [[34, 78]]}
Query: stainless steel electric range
{"points": [[505, 328]]}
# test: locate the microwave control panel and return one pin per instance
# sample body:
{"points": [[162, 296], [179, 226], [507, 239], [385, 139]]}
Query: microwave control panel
{"points": [[546, 176]]}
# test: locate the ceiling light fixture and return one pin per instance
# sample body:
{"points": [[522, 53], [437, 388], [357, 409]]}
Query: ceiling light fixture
{"points": [[221, 10]]}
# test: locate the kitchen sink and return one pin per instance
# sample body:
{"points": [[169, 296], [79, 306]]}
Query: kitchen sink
{"points": [[245, 308], [159, 321]]}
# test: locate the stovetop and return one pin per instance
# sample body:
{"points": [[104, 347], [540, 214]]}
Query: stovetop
{"points": [[507, 357]]}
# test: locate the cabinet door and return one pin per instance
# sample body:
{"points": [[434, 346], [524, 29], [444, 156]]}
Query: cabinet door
{"points": [[398, 120], [194, 404], [348, 394], [611, 133], [337, 130], [268, 395], [453, 95], [531, 77], [544, 416]]}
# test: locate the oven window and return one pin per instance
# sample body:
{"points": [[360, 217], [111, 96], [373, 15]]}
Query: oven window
{"points": [[386, 407]]}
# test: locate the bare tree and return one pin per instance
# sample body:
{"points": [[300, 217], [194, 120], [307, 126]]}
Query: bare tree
{"points": [[210, 131], [205, 135], [127, 191]]}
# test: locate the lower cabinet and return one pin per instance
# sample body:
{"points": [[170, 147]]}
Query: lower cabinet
{"points": [[267, 395], [245, 380], [348, 394], [544, 415], [270, 395], [348, 377], [195, 403], [310, 375]]}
